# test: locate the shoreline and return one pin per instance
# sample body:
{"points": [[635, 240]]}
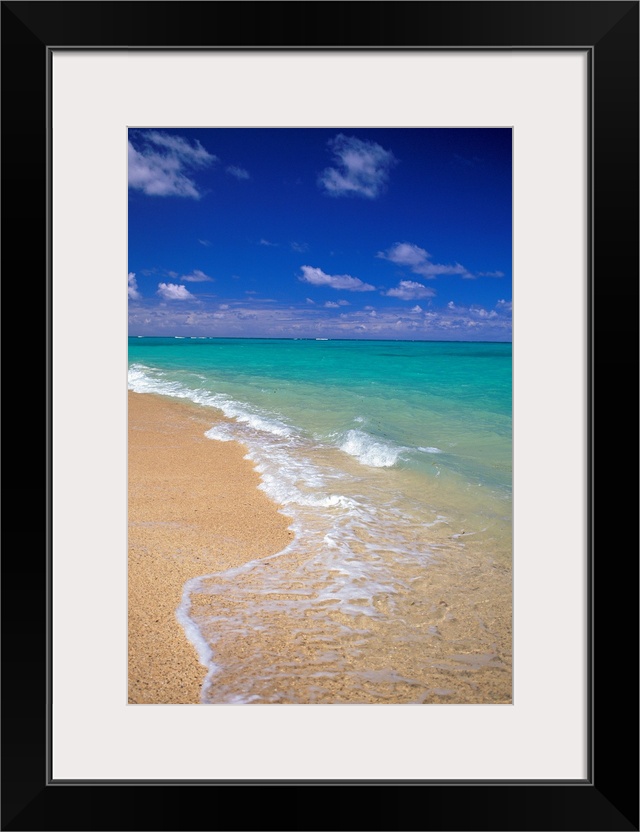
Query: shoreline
{"points": [[194, 507]]}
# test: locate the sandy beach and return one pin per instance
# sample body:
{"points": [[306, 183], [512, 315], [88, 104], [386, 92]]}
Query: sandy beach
{"points": [[194, 508]]}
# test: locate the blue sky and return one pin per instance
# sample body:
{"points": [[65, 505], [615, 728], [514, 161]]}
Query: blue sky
{"points": [[336, 233]]}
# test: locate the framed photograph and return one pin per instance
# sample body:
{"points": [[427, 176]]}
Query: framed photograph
{"points": [[543, 99]]}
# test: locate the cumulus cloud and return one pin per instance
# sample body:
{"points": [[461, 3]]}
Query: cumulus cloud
{"points": [[507, 305], [193, 153], [132, 287], [419, 261], [417, 308], [252, 318], [362, 168], [162, 165], [239, 173], [405, 254], [410, 290], [480, 312], [387, 322], [173, 291], [196, 276], [336, 281], [330, 304], [474, 317]]}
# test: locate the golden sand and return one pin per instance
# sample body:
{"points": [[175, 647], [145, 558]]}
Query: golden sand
{"points": [[194, 508]]}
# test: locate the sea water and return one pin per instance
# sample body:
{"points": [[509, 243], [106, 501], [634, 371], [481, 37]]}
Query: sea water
{"points": [[387, 456]]}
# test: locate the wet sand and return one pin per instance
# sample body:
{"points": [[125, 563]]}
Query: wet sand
{"points": [[194, 508]]}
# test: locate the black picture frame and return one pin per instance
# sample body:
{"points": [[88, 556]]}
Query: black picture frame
{"points": [[608, 798]]}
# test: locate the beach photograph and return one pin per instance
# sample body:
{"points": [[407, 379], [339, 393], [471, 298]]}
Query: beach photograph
{"points": [[319, 382]]}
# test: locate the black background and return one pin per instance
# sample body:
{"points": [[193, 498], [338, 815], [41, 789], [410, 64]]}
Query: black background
{"points": [[608, 799]]}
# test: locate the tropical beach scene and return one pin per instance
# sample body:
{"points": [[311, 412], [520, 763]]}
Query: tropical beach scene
{"points": [[320, 416]]}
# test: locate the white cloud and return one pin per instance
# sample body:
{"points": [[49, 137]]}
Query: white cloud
{"points": [[417, 308], [239, 173], [196, 276], [419, 261], [299, 247], [252, 318], [343, 303], [507, 305], [311, 301], [490, 274], [363, 168], [410, 290], [264, 242], [479, 312], [173, 291], [337, 281], [194, 154], [405, 254], [205, 243], [485, 322], [132, 287], [160, 164], [332, 305]]}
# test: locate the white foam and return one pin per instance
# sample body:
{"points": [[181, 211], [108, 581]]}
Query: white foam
{"points": [[145, 380], [370, 451], [289, 480], [257, 422], [194, 635], [222, 432]]}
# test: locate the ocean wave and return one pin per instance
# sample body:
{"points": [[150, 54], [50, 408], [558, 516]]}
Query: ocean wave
{"points": [[266, 424], [145, 380], [222, 433], [370, 451]]}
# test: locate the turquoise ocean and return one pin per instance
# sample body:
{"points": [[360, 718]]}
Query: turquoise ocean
{"points": [[387, 456]]}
